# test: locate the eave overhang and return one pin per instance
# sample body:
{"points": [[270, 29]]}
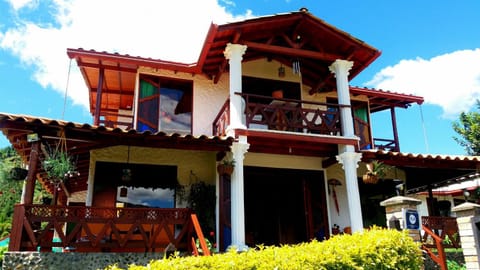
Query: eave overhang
{"points": [[82, 138]]}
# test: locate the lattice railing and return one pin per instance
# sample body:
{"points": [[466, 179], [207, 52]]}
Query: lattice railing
{"points": [[101, 229]]}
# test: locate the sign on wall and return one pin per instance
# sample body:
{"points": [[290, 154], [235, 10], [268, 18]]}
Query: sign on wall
{"points": [[412, 221]]}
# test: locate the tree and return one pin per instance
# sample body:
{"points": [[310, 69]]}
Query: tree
{"points": [[11, 190], [468, 127]]}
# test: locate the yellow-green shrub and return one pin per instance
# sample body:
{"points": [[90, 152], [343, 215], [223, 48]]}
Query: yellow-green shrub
{"points": [[371, 249]]}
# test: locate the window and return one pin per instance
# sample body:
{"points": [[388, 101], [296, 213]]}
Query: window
{"points": [[147, 197], [135, 185], [164, 104]]}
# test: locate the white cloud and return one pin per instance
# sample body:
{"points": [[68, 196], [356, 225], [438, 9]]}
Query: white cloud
{"points": [[19, 4], [451, 81], [168, 30]]}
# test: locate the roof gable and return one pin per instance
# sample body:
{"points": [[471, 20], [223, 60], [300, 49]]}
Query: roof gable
{"points": [[285, 38]]}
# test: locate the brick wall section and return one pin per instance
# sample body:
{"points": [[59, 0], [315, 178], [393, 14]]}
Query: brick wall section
{"points": [[394, 209], [468, 215]]}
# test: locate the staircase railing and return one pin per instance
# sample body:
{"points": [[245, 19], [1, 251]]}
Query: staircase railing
{"points": [[440, 259], [201, 239], [443, 231]]}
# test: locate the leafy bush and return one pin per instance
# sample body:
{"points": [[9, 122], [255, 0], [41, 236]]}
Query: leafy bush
{"points": [[2, 251], [371, 249], [453, 265]]}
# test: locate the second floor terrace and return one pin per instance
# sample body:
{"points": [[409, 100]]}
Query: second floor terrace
{"points": [[272, 116], [247, 60]]}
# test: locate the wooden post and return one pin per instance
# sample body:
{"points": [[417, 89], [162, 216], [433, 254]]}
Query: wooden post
{"points": [[32, 171], [395, 130], [17, 228], [98, 104]]}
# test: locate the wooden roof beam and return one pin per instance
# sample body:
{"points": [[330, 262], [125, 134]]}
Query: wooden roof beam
{"points": [[292, 51], [113, 92]]}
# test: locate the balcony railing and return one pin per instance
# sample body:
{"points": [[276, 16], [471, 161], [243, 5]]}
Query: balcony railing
{"points": [[267, 113], [100, 229], [298, 116]]}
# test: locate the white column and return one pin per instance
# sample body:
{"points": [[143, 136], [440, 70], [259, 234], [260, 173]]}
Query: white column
{"points": [[237, 194], [234, 53], [349, 161], [340, 68], [348, 157]]}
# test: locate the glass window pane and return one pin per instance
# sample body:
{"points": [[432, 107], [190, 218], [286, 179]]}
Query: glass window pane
{"points": [[147, 197], [174, 120]]}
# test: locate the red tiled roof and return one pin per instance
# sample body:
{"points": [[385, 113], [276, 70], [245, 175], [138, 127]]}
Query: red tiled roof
{"points": [[435, 157], [82, 138], [382, 99]]}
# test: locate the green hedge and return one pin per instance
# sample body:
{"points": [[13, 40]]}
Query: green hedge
{"points": [[371, 249]]}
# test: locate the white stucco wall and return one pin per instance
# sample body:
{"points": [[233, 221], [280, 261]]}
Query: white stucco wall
{"points": [[342, 217]]}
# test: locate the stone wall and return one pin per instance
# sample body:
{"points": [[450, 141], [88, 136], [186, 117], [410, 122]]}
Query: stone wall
{"points": [[74, 260]]}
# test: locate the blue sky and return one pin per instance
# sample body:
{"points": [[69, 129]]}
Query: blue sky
{"points": [[429, 48]]}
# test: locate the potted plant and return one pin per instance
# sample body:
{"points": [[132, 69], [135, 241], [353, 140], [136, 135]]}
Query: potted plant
{"points": [[15, 168], [59, 166], [18, 173], [375, 171], [226, 167]]}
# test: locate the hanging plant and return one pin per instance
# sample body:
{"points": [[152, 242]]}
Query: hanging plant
{"points": [[59, 165], [226, 167], [375, 171], [18, 173], [15, 169]]}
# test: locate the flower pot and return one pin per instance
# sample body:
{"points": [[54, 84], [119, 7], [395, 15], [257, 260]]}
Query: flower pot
{"points": [[277, 94], [18, 173], [370, 179], [224, 169]]}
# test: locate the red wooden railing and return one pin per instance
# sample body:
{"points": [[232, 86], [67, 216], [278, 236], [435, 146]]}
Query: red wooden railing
{"points": [[100, 229], [386, 144], [298, 116], [436, 231], [222, 120], [201, 239], [284, 114]]}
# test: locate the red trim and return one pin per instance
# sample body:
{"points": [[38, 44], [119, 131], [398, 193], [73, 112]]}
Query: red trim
{"points": [[133, 60], [298, 137], [385, 94], [209, 39]]}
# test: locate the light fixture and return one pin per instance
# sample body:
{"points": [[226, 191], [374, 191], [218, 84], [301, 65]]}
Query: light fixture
{"points": [[127, 172], [399, 186], [33, 137], [281, 71], [466, 194]]}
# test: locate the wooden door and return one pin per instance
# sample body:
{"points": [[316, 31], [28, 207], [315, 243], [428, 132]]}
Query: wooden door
{"points": [[314, 201], [225, 225]]}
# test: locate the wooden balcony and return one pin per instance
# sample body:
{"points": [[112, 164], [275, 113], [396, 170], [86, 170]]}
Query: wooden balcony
{"points": [[96, 229], [265, 113], [281, 114]]}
